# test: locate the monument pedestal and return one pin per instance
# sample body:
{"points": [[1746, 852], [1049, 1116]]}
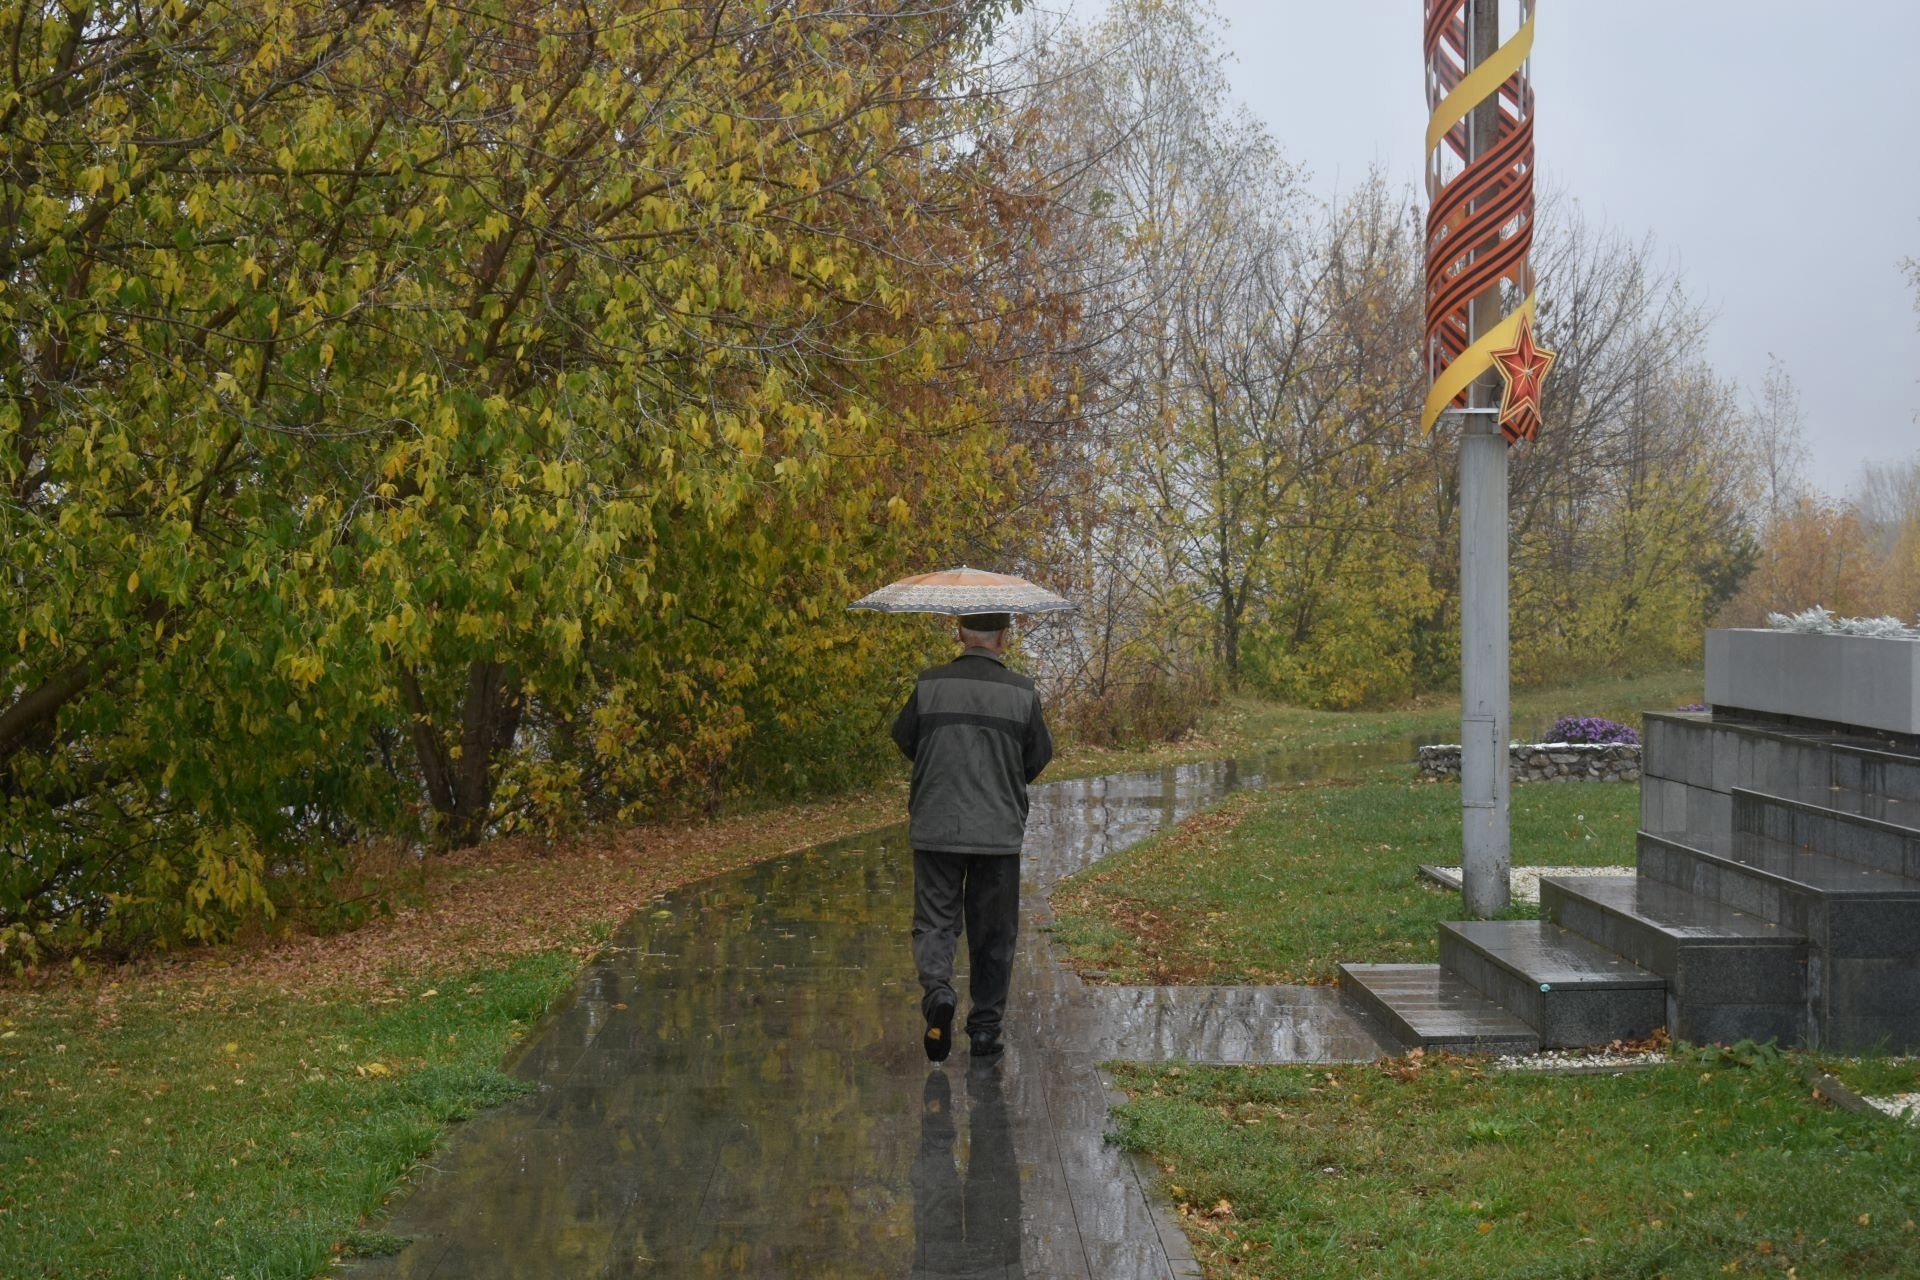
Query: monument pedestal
{"points": [[1778, 886]]}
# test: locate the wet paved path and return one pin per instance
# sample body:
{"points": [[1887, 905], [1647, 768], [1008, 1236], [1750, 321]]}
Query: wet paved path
{"points": [[736, 1087]]}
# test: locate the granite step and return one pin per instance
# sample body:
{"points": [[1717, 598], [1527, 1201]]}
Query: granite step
{"points": [[1721, 753], [1804, 890], [1692, 762], [1814, 825], [1852, 801], [1862, 927], [1569, 989], [1730, 975], [1424, 1007]]}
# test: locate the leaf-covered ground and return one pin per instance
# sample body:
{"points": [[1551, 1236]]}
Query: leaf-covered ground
{"points": [[508, 898]]}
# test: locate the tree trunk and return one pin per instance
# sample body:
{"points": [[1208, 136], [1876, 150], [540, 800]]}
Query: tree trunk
{"points": [[426, 745], [461, 788], [488, 722], [1230, 646]]}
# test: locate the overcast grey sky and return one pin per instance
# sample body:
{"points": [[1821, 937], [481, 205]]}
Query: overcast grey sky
{"points": [[1772, 147]]}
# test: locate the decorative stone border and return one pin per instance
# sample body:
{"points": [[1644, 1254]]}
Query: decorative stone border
{"points": [[1547, 761]]}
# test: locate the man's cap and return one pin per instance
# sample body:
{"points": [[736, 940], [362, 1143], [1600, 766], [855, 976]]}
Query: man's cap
{"points": [[987, 621]]}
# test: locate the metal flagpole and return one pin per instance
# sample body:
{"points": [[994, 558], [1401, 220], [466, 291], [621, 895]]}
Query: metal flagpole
{"points": [[1479, 231], [1485, 848]]}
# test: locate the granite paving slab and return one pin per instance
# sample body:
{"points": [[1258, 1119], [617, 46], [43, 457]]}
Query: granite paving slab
{"points": [[735, 1086]]}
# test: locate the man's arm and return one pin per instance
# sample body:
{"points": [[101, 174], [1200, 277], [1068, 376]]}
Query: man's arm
{"points": [[906, 725], [1039, 743]]}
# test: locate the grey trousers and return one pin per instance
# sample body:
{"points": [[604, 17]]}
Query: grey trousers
{"points": [[983, 890]]}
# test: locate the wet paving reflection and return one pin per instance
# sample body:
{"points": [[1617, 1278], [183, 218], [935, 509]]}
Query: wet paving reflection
{"points": [[736, 1087], [966, 1224]]}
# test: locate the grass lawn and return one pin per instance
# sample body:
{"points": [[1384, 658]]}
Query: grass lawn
{"points": [[235, 1131], [1720, 1163], [1249, 726], [1283, 885]]}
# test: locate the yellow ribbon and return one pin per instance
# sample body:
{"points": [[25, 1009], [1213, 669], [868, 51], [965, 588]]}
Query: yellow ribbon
{"points": [[1483, 80], [1473, 362]]}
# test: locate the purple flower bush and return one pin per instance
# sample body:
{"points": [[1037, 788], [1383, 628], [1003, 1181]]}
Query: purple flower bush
{"points": [[1591, 729]]}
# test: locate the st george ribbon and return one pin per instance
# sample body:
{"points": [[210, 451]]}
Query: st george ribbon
{"points": [[1480, 223]]}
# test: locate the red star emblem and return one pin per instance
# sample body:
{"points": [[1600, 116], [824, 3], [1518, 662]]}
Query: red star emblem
{"points": [[1523, 367]]}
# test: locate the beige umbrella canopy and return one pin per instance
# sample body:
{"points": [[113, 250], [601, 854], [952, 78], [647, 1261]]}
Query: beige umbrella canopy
{"points": [[960, 592]]}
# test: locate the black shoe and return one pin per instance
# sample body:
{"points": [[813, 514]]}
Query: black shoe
{"points": [[938, 1042], [986, 1044]]}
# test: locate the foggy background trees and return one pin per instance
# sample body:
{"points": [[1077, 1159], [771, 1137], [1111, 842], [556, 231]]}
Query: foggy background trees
{"points": [[1258, 510]]}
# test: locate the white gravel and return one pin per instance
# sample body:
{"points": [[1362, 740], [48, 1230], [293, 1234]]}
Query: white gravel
{"points": [[1525, 881], [1576, 1060], [1901, 1106]]}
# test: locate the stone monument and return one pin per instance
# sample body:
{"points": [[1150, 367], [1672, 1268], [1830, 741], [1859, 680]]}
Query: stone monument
{"points": [[1777, 894]]}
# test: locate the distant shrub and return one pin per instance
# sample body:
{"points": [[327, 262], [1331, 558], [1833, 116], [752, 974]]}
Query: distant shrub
{"points": [[1596, 729], [1157, 708]]}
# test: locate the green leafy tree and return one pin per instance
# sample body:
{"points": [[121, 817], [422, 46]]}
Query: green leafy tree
{"points": [[467, 413]]}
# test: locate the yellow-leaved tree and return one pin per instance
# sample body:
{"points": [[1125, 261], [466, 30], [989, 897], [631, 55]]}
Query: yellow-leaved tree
{"points": [[419, 418]]}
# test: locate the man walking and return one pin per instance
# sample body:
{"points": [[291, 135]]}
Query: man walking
{"points": [[976, 736]]}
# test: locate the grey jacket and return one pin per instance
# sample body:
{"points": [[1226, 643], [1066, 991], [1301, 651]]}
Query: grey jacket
{"points": [[975, 734]]}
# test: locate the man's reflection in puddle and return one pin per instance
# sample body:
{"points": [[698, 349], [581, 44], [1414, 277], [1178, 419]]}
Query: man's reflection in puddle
{"points": [[966, 1229]]}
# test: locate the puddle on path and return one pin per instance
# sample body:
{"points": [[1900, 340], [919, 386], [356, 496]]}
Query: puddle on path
{"points": [[736, 1087]]}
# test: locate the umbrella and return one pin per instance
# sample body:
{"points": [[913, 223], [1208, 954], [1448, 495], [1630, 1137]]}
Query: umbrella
{"points": [[962, 591]]}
